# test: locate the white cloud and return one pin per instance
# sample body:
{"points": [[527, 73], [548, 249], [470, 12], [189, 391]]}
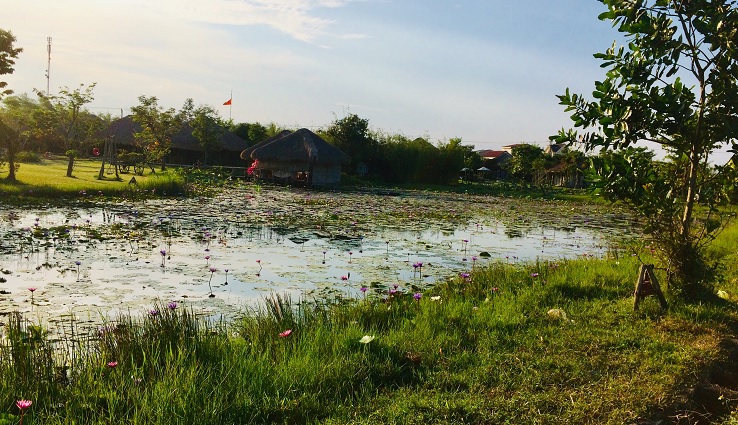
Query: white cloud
{"points": [[297, 18]]}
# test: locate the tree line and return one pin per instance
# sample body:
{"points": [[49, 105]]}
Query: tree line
{"points": [[61, 124]]}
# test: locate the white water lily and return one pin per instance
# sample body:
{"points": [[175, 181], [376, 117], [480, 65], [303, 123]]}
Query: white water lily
{"points": [[366, 339]]}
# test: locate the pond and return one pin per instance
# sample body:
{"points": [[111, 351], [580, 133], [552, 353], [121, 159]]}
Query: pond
{"points": [[93, 259]]}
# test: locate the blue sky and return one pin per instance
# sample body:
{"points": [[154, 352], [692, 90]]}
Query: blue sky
{"points": [[483, 70]]}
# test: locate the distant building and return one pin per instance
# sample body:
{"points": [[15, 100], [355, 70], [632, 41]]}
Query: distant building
{"points": [[566, 175], [555, 149], [509, 148], [495, 161]]}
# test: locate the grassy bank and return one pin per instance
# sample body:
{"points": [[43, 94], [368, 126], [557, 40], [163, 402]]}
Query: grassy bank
{"points": [[554, 342], [47, 179]]}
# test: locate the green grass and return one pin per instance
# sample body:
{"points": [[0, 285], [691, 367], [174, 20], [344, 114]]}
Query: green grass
{"points": [[482, 349], [48, 179]]}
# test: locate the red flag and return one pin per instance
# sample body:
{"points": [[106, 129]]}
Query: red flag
{"points": [[228, 102]]}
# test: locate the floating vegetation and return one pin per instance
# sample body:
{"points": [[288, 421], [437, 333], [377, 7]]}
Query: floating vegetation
{"points": [[101, 259]]}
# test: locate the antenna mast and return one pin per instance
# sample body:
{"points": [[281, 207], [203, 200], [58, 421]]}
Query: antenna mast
{"points": [[48, 65]]}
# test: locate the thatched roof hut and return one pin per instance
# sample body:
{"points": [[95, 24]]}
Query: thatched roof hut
{"points": [[246, 153], [301, 157], [185, 148]]}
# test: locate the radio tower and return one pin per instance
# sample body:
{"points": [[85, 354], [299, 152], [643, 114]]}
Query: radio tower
{"points": [[48, 65]]}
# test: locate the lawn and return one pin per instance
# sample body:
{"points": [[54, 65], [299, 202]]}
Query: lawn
{"points": [[48, 179]]}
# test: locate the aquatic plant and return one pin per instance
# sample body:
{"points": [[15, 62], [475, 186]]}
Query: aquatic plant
{"points": [[212, 272], [23, 405]]}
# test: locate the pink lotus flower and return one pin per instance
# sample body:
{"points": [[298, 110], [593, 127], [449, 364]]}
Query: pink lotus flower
{"points": [[286, 333], [32, 289], [112, 364], [23, 404]]}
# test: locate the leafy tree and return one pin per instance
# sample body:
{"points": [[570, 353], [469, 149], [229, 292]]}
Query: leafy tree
{"points": [[258, 133], [26, 113], [252, 133], [351, 135], [188, 111], [644, 97], [62, 116], [631, 176], [573, 163], [397, 159], [158, 126], [10, 142], [453, 157], [8, 54], [472, 160], [207, 129], [526, 161], [23, 118]]}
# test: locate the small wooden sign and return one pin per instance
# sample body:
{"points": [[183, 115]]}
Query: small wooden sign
{"points": [[647, 285]]}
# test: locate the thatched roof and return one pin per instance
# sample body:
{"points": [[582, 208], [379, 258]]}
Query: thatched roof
{"points": [[123, 129], [300, 146], [246, 153]]}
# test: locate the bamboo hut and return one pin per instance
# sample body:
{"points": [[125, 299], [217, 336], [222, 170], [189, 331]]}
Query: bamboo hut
{"points": [[300, 157], [185, 148]]}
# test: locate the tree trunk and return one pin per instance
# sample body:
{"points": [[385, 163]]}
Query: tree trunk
{"points": [[102, 170], [70, 166], [694, 162], [11, 168]]}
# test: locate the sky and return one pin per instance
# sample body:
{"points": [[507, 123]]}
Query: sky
{"points": [[485, 71]]}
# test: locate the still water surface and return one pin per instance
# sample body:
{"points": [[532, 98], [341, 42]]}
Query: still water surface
{"points": [[97, 262]]}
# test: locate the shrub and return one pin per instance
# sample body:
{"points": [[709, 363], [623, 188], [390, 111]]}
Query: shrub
{"points": [[27, 156]]}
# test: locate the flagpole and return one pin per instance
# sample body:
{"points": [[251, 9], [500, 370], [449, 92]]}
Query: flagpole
{"points": [[230, 108]]}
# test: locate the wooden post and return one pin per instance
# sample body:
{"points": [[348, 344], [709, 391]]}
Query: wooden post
{"points": [[646, 285]]}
